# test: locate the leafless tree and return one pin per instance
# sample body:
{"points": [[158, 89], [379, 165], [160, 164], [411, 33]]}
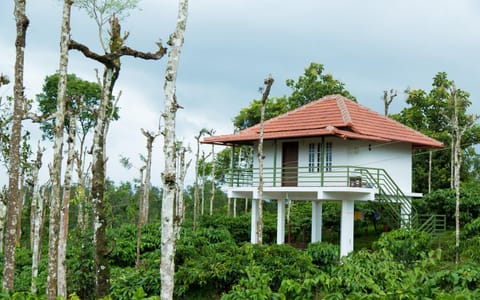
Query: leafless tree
{"points": [[388, 97], [112, 64], [14, 156], [170, 188], [268, 84], [36, 218], [196, 196]]}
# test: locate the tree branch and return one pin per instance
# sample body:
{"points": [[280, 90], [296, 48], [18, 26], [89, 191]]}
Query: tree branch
{"points": [[103, 59], [125, 50]]}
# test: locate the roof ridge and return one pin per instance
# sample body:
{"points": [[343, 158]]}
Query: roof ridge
{"points": [[388, 119], [347, 119], [281, 116]]}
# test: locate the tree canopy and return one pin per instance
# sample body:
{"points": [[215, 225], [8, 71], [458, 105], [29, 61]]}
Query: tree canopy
{"points": [[429, 112], [83, 96], [312, 85]]}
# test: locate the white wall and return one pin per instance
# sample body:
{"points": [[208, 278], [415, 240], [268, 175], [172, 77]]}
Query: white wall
{"points": [[395, 158]]}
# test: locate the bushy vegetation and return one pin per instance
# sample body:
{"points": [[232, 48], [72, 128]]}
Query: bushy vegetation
{"points": [[217, 261]]}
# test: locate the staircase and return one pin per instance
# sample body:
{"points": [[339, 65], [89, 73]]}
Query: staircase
{"points": [[398, 206]]}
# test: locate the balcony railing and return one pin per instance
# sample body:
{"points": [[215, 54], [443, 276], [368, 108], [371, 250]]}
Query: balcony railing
{"points": [[328, 176]]}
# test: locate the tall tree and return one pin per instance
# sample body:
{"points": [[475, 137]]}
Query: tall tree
{"points": [[54, 217], [144, 205], [458, 101], [16, 133], [36, 219], [111, 60], [268, 84], [196, 196], [312, 85], [182, 168], [212, 189], [65, 210], [145, 191], [429, 112], [170, 189]]}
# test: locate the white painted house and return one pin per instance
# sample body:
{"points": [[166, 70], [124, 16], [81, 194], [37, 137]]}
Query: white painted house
{"points": [[332, 149]]}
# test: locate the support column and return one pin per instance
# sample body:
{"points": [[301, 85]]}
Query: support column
{"points": [[281, 221], [346, 227], [316, 221], [253, 229], [406, 214], [234, 207]]}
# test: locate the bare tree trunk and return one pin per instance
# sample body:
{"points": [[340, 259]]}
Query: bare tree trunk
{"points": [[80, 191], [203, 186], [22, 197], [146, 191], [212, 191], [268, 84], [196, 187], [140, 219], [54, 219], [64, 213], [180, 203], [14, 160], [388, 97], [112, 63], [3, 216], [102, 274], [168, 238], [36, 219], [457, 134], [430, 171]]}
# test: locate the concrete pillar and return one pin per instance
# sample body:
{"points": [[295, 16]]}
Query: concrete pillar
{"points": [[281, 221], [316, 221], [234, 207], [406, 214], [346, 227], [253, 230]]}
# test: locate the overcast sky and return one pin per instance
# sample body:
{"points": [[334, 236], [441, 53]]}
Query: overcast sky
{"points": [[231, 46]]}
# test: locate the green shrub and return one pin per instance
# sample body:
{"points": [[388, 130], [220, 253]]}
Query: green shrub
{"points": [[129, 283], [255, 286], [406, 245], [283, 262], [323, 255]]}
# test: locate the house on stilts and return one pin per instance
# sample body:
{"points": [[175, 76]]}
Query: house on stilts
{"points": [[332, 149]]}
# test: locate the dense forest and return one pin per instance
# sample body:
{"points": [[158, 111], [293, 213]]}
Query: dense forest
{"points": [[80, 235]]}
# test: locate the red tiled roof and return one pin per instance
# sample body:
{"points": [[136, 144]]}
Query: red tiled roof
{"points": [[332, 115]]}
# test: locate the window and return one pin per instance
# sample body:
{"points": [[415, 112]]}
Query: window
{"points": [[328, 157], [314, 157], [311, 158]]}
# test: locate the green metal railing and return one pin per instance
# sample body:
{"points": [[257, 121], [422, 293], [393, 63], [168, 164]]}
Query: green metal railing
{"points": [[389, 194]]}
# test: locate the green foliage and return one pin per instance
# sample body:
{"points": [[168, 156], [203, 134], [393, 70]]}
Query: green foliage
{"points": [[429, 113], [82, 97], [312, 85], [470, 241], [250, 115], [80, 264], [323, 255], [442, 202], [129, 283], [407, 246], [255, 286], [283, 261]]}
